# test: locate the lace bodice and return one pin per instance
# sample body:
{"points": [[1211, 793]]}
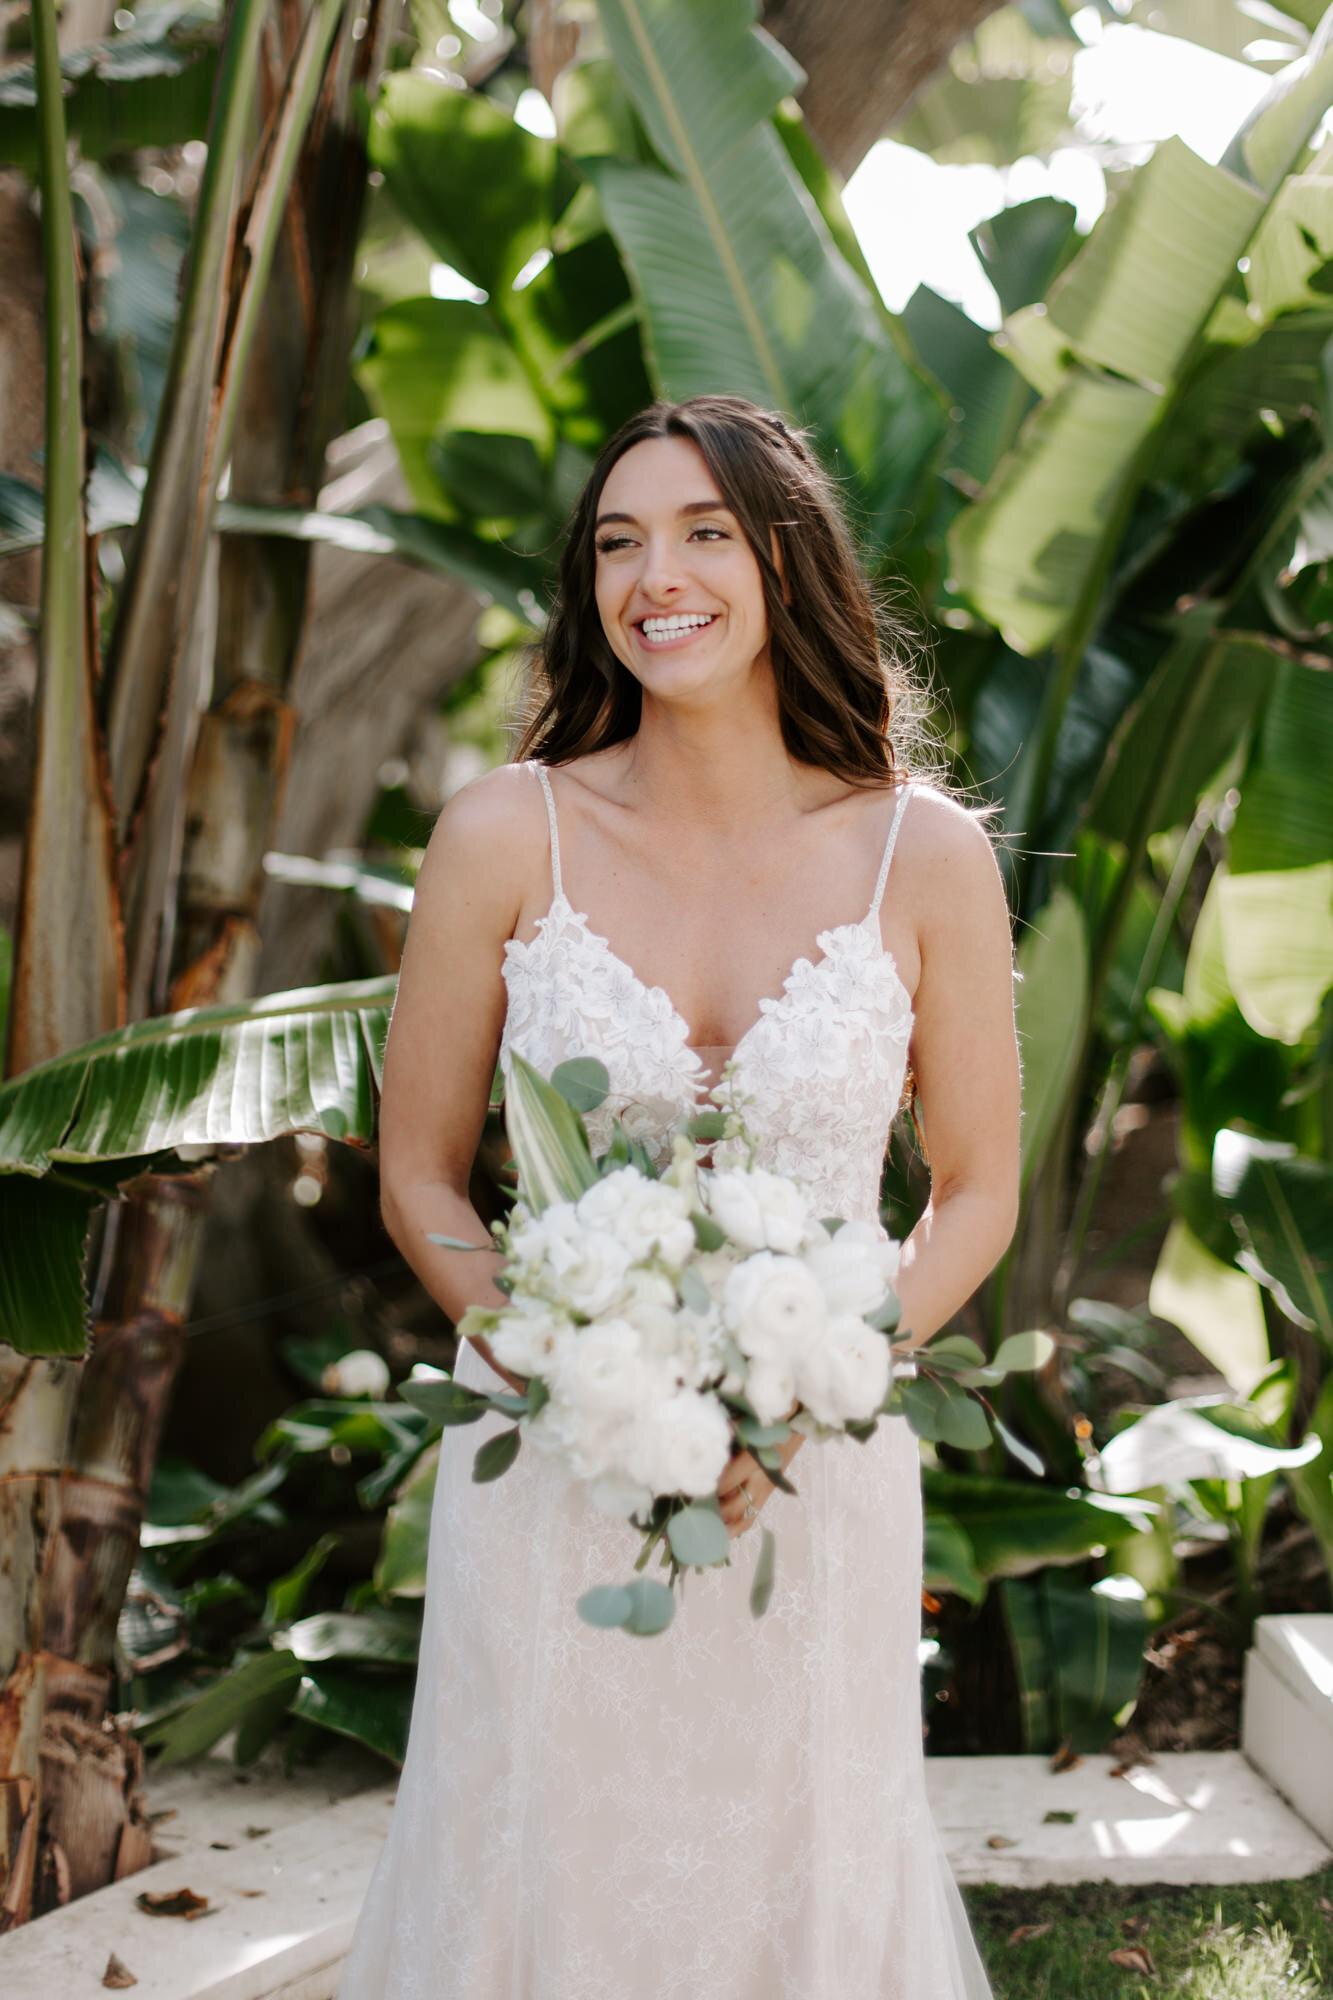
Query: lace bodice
{"points": [[817, 1075]]}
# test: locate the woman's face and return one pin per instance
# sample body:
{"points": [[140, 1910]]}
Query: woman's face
{"points": [[678, 588]]}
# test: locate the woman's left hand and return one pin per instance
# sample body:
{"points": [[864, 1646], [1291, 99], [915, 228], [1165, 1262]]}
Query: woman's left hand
{"points": [[745, 1471]]}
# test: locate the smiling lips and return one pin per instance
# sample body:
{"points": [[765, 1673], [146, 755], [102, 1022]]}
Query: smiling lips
{"points": [[669, 631]]}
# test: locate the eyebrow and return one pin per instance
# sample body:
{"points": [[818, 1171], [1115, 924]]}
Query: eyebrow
{"points": [[690, 507]]}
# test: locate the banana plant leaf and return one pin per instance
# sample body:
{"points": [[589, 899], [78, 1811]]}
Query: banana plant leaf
{"points": [[741, 284], [208, 1076], [1281, 1205], [1014, 1527], [1078, 1652], [1051, 1009]]}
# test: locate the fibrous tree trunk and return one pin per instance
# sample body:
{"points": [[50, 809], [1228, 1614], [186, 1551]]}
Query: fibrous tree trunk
{"points": [[865, 60]]}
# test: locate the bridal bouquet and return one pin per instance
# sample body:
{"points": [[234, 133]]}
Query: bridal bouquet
{"points": [[663, 1321]]}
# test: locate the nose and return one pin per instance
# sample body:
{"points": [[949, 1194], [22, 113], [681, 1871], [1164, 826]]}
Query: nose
{"points": [[661, 576]]}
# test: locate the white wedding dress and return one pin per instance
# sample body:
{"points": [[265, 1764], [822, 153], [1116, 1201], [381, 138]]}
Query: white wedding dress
{"points": [[735, 1808]]}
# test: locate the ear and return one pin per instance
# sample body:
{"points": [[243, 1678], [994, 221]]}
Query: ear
{"points": [[779, 565]]}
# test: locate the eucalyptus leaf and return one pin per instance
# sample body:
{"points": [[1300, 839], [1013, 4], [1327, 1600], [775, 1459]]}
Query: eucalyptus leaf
{"points": [[652, 1607], [693, 1291], [707, 1234], [750, 1431], [707, 1126], [538, 1395], [583, 1082], [765, 1569], [962, 1421], [607, 1605], [496, 1456], [456, 1242], [698, 1537], [1022, 1353], [444, 1401]]}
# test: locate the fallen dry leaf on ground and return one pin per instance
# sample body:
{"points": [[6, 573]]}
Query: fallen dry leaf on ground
{"points": [[1066, 1758], [1001, 1840], [1025, 1932], [1135, 1958], [118, 1973], [173, 1903]]}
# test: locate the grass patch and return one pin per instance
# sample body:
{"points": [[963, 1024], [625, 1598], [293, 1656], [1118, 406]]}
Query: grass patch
{"points": [[1244, 1943]]}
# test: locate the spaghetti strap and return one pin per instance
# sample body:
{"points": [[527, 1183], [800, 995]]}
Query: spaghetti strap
{"points": [[889, 846], [557, 886]]}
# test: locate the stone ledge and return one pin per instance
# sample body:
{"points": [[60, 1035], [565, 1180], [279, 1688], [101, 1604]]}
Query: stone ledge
{"points": [[1188, 1817]]}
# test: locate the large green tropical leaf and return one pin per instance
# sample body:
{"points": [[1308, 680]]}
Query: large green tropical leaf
{"points": [[1015, 1527], [1285, 816], [742, 287], [1216, 1306], [1078, 1652], [1051, 1003], [1281, 1204], [1277, 944], [228, 1075]]}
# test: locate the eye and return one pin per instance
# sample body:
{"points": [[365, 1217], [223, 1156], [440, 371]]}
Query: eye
{"points": [[712, 533], [608, 544]]}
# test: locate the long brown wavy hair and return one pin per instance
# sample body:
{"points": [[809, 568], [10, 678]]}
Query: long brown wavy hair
{"points": [[846, 695]]}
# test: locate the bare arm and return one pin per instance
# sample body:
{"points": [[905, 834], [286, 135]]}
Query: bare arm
{"points": [[445, 1034], [965, 1055]]}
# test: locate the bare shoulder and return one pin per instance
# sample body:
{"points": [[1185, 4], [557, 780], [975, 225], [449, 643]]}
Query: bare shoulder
{"points": [[489, 843], [945, 859]]}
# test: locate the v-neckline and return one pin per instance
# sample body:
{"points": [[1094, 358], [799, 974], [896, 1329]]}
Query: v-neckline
{"points": [[561, 909]]}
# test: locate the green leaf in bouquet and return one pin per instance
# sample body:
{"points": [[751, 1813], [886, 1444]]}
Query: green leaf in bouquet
{"points": [[887, 1314], [1022, 1353], [706, 1126], [771, 1460], [583, 1082], [652, 1607], [617, 1153], [455, 1242], [443, 1400], [963, 1422], [698, 1536], [750, 1431], [761, 1586], [707, 1233], [862, 1432], [538, 1395], [549, 1143], [495, 1456], [833, 1223], [508, 1403], [693, 1291], [953, 1353], [606, 1605]]}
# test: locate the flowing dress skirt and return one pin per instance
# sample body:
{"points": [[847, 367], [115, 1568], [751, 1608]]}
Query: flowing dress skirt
{"points": [[733, 1809]]}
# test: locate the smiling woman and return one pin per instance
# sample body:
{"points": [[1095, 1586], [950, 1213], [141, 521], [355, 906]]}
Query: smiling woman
{"points": [[652, 537], [717, 768]]}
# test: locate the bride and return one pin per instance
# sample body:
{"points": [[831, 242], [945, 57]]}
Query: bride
{"points": [[717, 858]]}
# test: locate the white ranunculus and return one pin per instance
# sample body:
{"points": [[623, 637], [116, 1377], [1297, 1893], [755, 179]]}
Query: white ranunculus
{"points": [[614, 1494], [527, 1335], [604, 1381], [360, 1373], [855, 1269], [682, 1445], [774, 1307], [758, 1210], [646, 1216], [844, 1377], [558, 1253], [770, 1388]]}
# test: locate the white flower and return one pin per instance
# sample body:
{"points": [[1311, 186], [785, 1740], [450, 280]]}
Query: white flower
{"points": [[844, 1377], [360, 1373], [855, 1269], [585, 1268], [770, 1389], [758, 1210], [774, 1307], [645, 1216], [604, 1382], [614, 1494], [527, 1335], [682, 1445]]}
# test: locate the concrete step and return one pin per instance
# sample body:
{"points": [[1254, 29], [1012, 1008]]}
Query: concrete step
{"points": [[1287, 1718], [282, 1903], [1196, 1816]]}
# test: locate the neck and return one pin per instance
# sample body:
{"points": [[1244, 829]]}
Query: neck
{"points": [[722, 764]]}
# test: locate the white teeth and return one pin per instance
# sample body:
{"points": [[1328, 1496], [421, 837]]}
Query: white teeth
{"points": [[671, 628]]}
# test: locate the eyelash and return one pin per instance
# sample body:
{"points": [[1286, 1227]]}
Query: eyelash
{"points": [[611, 543]]}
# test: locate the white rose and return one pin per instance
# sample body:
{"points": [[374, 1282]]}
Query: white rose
{"points": [[682, 1445], [527, 1335], [585, 1267], [854, 1269], [614, 1494], [774, 1307], [844, 1377], [758, 1210], [646, 1216], [604, 1381], [770, 1389], [360, 1373]]}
